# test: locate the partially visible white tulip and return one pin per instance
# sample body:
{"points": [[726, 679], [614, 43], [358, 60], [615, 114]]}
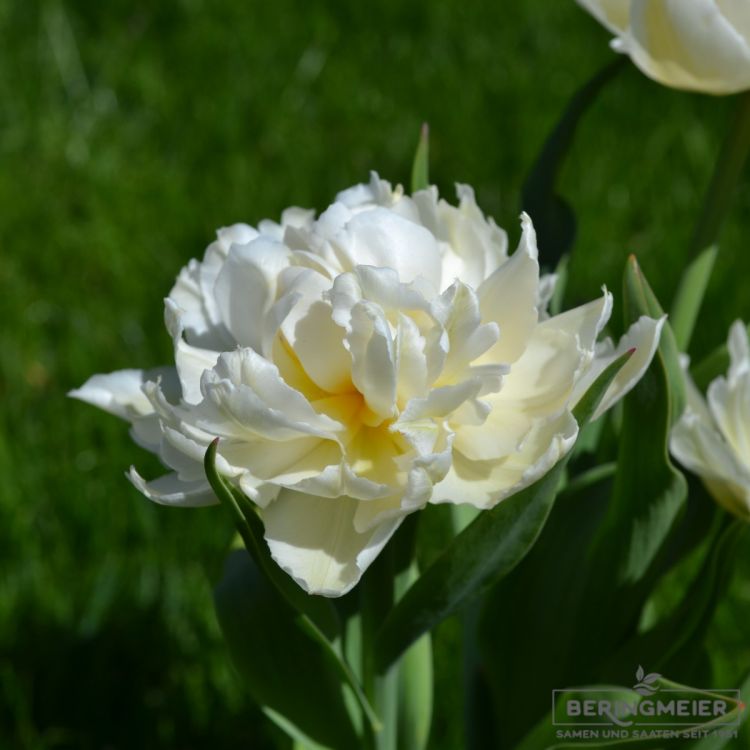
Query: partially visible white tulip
{"points": [[698, 45], [359, 366], [712, 438]]}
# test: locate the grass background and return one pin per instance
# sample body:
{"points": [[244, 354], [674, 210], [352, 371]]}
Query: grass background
{"points": [[129, 131]]}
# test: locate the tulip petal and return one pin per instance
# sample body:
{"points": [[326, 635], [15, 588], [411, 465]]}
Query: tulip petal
{"points": [[120, 393], [246, 287], [311, 333], [313, 539], [251, 399], [699, 447], [485, 483], [739, 350], [501, 433], [585, 322], [383, 239], [472, 246], [373, 358], [509, 298], [643, 336], [614, 14], [170, 490], [541, 381], [690, 45], [411, 359], [468, 338], [191, 361], [729, 403]]}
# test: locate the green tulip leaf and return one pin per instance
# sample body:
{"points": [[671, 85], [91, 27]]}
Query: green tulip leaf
{"points": [[420, 170], [689, 297], [316, 616], [676, 640], [288, 673], [649, 491], [319, 610]]}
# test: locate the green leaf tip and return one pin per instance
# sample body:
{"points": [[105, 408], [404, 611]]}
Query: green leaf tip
{"points": [[420, 179]]}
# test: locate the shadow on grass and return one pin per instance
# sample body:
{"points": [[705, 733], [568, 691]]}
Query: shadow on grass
{"points": [[129, 685]]}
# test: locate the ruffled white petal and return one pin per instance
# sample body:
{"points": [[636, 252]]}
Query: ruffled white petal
{"points": [[642, 337], [121, 393], [359, 366], [311, 333], [384, 239], [483, 484], [252, 400], [509, 298], [314, 540], [246, 287], [170, 490], [472, 246]]}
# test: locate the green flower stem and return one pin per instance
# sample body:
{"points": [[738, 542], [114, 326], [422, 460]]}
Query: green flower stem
{"points": [[381, 690], [726, 175], [718, 198]]}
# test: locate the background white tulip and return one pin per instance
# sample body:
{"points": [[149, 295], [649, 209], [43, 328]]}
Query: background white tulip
{"points": [[358, 366], [712, 438], [699, 45]]}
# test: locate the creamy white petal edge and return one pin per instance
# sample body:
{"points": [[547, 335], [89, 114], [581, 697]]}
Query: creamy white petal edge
{"points": [[357, 366], [712, 438], [697, 45]]}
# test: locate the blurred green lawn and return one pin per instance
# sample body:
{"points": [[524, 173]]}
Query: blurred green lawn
{"points": [[129, 131]]}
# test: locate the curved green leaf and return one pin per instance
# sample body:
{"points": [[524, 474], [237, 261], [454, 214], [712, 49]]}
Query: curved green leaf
{"points": [[316, 615], [674, 642], [288, 673], [320, 610]]}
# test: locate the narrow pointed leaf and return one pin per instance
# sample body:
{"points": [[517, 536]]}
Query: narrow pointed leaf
{"points": [[489, 548], [420, 170], [649, 491], [689, 297], [641, 300]]}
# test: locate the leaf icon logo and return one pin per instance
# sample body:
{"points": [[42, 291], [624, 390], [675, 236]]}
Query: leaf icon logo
{"points": [[645, 682]]}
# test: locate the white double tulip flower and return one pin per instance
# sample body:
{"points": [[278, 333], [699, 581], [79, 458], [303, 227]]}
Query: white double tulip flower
{"points": [[699, 45], [358, 366], [712, 438]]}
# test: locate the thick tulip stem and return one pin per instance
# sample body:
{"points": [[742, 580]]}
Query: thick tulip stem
{"points": [[376, 597], [727, 171]]}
